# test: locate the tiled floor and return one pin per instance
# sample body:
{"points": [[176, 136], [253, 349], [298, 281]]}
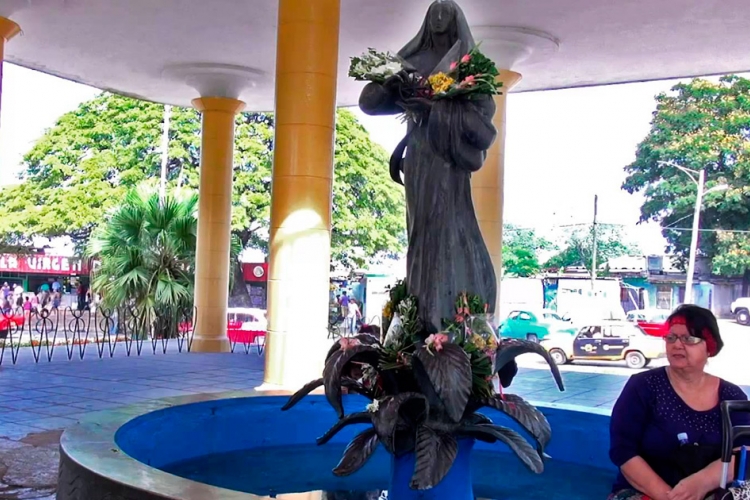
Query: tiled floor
{"points": [[53, 395]]}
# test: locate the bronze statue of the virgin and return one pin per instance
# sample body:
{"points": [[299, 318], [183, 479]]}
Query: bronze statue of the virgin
{"points": [[447, 140]]}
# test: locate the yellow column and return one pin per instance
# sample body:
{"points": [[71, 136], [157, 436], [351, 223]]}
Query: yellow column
{"points": [[299, 266], [8, 29], [487, 185], [214, 222]]}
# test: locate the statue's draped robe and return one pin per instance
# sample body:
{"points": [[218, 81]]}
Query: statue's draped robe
{"points": [[446, 254]]}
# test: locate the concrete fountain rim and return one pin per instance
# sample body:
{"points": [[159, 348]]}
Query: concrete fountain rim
{"points": [[90, 448]]}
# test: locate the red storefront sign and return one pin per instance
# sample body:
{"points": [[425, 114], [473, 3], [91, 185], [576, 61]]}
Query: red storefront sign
{"points": [[255, 271], [42, 264]]}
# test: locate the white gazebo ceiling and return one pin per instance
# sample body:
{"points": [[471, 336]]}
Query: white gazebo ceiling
{"points": [[132, 46]]}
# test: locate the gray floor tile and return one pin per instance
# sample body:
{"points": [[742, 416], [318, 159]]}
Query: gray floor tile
{"points": [[25, 404], [56, 411], [16, 431], [95, 405], [20, 416], [51, 423]]}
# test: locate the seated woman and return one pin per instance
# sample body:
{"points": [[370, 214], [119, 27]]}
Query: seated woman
{"points": [[665, 431]]}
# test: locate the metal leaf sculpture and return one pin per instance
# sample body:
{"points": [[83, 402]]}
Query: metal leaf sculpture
{"points": [[510, 349], [304, 391], [357, 453], [435, 454], [525, 414], [349, 383], [364, 338], [424, 393], [515, 441], [388, 418], [334, 371], [446, 371], [355, 418]]}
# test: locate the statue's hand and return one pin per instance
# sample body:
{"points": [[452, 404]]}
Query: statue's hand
{"points": [[417, 104], [394, 82]]}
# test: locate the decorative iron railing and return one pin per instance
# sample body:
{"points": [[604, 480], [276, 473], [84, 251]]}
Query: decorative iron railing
{"points": [[46, 330]]}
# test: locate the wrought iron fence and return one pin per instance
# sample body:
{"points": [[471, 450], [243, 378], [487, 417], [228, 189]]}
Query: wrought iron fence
{"points": [[338, 327], [47, 330]]}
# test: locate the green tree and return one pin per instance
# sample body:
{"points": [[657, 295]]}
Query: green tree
{"points": [[87, 162], [146, 251], [521, 249], [700, 125], [578, 247]]}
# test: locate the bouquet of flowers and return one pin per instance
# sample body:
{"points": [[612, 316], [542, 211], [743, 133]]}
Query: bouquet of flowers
{"points": [[474, 74], [374, 66]]}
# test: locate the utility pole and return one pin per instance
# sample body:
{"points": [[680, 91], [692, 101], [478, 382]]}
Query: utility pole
{"points": [[593, 245], [694, 237], [164, 153]]}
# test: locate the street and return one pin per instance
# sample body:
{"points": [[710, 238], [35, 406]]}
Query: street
{"points": [[732, 364]]}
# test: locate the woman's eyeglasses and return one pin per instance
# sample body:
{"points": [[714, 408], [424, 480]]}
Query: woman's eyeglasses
{"points": [[671, 338]]}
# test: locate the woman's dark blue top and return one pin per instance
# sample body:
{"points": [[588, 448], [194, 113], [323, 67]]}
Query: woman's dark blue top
{"points": [[648, 417]]}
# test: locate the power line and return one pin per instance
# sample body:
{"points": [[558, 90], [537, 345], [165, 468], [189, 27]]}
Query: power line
{"points": [[708, 230]]}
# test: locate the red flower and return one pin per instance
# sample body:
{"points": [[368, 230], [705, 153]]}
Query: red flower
{"points": [[347, 343], [466, 58], [436, 340], [453, 65]]}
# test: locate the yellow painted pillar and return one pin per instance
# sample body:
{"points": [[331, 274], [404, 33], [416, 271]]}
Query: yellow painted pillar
{"points": [[214, 222], [8, 29], [488, 183], [299, 248]]}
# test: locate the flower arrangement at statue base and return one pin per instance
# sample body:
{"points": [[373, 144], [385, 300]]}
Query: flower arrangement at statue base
{"points": [[425, 390]]}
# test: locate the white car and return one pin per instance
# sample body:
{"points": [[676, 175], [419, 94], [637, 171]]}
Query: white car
{"points": [[741, 310], [606, 341]]}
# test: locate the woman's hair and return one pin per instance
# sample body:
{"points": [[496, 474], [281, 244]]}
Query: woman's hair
{"points": [[700, 322]]}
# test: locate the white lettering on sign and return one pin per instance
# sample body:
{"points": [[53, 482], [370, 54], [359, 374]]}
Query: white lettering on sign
{"points": [[48, 264]]}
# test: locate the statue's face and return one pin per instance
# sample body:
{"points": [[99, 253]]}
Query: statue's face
{"points": [[441, 17]]}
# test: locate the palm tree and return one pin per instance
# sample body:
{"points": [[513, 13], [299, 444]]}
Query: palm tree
{"points": [[146, 250]]}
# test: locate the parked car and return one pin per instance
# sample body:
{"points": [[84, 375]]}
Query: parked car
{"points": [[245, 325], [10, 322], [606, 341], [527, 325], [741, 310], [653, 321]]}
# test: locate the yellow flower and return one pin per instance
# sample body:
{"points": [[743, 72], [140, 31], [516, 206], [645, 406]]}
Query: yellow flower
{"points": [[478, 341], [387, 313], [440, 82]]}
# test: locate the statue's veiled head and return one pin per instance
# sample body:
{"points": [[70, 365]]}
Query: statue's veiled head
{"points": [[443, 27]]}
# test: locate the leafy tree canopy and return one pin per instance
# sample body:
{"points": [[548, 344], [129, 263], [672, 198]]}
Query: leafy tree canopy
{"points": [[701, 125], [90, 159], [577, 250], [521, 249]]}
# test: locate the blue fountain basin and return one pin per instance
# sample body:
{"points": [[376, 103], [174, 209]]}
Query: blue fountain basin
{"points": [[249, 445]]}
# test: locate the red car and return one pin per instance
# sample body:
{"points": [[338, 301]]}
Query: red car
{"points": [[244, 325], [652, 321], [10, 322]]}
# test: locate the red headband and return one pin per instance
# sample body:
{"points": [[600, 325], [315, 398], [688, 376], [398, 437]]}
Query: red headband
{"points": [[706, 335]]}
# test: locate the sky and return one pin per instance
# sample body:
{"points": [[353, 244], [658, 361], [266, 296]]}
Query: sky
{"points": [[562, 147]]}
